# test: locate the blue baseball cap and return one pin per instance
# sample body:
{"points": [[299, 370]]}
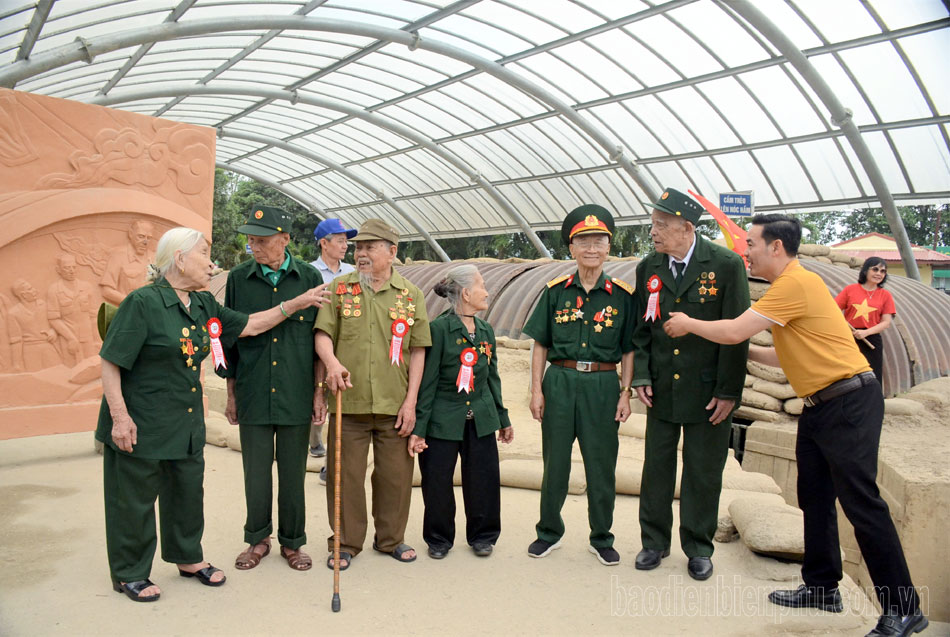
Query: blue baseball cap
{"points": [[332, 226]]}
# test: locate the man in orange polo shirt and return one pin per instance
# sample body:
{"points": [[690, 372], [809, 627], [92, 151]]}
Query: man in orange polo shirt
{"points": [[838, 431]]}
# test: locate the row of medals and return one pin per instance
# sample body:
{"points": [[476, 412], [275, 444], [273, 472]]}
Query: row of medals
{"points": [[187, 345], [708, 278], [401, 310]]}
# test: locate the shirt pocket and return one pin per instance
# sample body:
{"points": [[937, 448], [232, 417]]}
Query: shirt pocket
{"points": [[351, 327]]}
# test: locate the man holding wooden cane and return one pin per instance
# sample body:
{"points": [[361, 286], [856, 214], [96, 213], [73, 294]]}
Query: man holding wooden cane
{"points": [[375, 329]]}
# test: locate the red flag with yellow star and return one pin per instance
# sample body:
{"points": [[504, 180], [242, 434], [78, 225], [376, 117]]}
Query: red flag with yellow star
{"points": [[734, 235]]}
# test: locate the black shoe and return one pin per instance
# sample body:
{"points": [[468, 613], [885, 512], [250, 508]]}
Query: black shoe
{"points": [[319, 451], [808, 597], [437, 553], [607, 556], [482, 549], [540, 548], [699, 567], [649, 559], [323, 476], [132, 590], [897, 626]]}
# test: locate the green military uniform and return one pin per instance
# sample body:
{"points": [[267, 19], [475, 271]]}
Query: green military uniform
{"points": [[685, 374], [158, 346], [576, 325], [359, 322], [460, 423], [274, 386]]}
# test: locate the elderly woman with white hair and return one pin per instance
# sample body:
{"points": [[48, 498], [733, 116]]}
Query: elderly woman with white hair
{"points": [[458, 412], [152, 418]]}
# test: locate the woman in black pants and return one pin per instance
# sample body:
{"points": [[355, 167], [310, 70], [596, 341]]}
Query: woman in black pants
{"points": [[457, 414], [869, 309]]}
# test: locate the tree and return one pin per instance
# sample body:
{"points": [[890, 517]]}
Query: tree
{"points": [[919, 221]]}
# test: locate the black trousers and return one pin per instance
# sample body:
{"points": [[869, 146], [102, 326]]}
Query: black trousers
{"points": [[875, 356], [481, 488], [837, 450]]}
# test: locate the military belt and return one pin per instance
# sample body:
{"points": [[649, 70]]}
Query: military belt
{"points": [[839, 388], [586, 366]]}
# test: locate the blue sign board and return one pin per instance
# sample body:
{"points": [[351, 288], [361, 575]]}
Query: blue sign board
{"points": [[736, 204]]}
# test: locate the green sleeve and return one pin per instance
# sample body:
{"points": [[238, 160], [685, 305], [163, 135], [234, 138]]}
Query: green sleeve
{"points": [[127, 332], [731, 371], [430, 379], [641, 334], [538, 326], [494, 383], [231, 354]]}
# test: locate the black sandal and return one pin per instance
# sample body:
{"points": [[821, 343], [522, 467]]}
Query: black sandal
{"points": [[344, 555], [398, 552], [204, 575], [132, 590]]}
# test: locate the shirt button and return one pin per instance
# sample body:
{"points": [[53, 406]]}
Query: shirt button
{"points": [[189, 410], [194, 368], [273, 390], [583, 344], [194, 389], [193, 327], [274, 363], [676, 376], [275, 289], [702, 300], [676, 352], [468, 402], [275, 339], [301, 318], [585, 322], [678, 300]]}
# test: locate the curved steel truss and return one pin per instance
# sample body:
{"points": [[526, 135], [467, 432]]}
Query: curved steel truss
{"points": [[486, 116]]}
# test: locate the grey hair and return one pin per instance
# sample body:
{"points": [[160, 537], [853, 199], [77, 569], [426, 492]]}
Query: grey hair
{"points": [[458, 278], [176, 239]]}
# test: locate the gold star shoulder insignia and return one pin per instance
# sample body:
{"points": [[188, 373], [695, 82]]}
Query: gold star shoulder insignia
{"points": [[623, 285], [560, 279]]}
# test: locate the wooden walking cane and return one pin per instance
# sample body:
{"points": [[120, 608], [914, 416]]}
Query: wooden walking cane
{"points": [[337, 450]]}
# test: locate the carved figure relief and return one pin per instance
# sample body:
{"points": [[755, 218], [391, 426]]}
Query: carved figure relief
{"points": [[31, 336], [71, 308], [128, 265], [85, 192]]}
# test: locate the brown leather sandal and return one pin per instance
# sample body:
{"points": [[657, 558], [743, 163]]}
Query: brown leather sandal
{"points": [[251, 558], [298, 560]]}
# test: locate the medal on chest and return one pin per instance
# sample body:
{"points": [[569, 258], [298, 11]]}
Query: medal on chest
{"points": [[348, 302], [187, 347], [403, 309], [604, 318], [217, 352], [484, 347], [654, 285], [466, 378]]}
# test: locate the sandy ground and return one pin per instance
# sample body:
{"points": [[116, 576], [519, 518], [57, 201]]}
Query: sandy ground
{"points": [[54, 578]]}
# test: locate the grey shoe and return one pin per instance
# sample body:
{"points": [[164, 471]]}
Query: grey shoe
{"points": [[319, 451]]}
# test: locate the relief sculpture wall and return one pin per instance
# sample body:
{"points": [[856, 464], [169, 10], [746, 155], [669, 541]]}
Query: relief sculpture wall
{"points": [[85, 193]]}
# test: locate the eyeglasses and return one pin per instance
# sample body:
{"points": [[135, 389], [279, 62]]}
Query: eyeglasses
{"points": [[878, 269]]}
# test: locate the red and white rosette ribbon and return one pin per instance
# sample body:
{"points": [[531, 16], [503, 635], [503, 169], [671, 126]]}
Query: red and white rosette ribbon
{"points": [[654, 285], [400, 328], [217, 352], [466, 379]]}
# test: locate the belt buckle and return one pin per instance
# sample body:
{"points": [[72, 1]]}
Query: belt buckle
{"points": [[584, 366], [808, 401]]}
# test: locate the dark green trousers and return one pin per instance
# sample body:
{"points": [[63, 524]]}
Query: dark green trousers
{"points": [[258, 446], [705, 448], [131, 486], [579, 405]]}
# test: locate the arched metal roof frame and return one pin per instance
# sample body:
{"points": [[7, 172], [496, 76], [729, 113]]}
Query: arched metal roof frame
{"points": [[684, 159]]}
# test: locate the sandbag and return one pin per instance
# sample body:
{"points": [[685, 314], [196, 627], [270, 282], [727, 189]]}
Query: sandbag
{"points": [[777, 530], [794, 406], [902, 407], [753, 398], [776, 390], [751, 413], [766, 372], [527, 474], [217, 428]]}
